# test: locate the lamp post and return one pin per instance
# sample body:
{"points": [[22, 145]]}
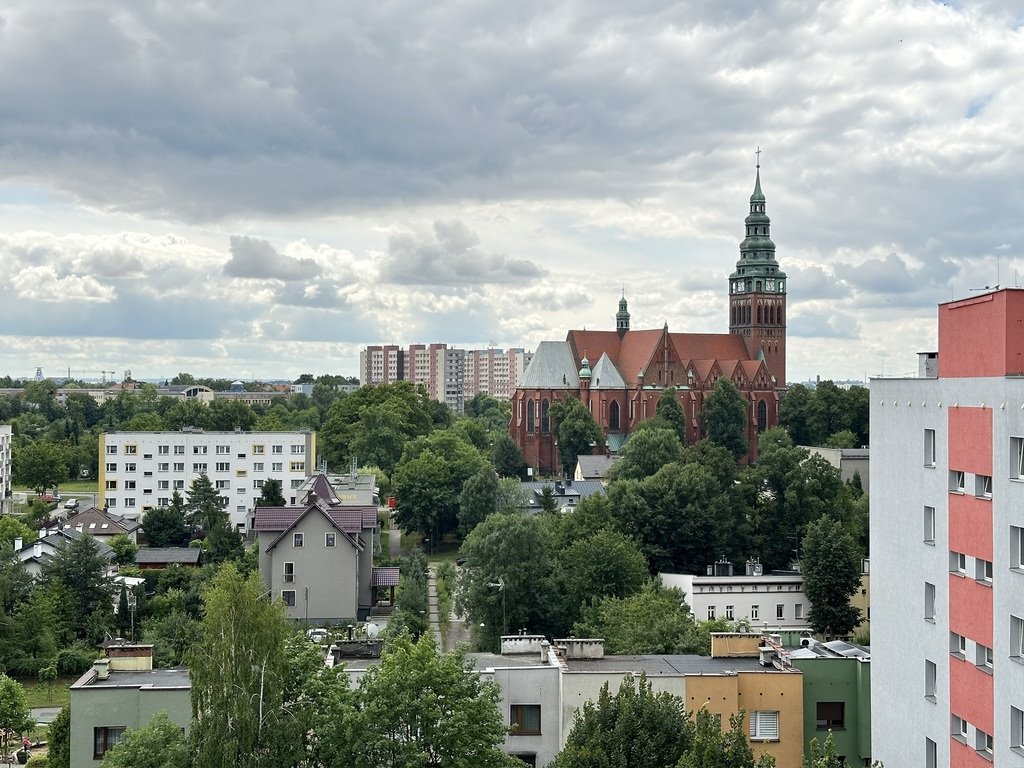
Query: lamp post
{"points": [[500, 584]]}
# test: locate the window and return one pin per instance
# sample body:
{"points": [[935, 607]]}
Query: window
{"points": [[958, 728], [129, 502], [1017, 638], [111, 450], [105, 738], [929, 447], [799, 611], [830, 716], [780, 611], [297, 466], [111, 467], [163, 501], [223, 466], [613, 416], [199, 450], [982, 656], [729, 612], [241, 473], [764, 726], [112, 502], [957, 481], [983, 570], [289, 573], [929, 525], [1016, 547], [129, 485], [545, 416], [223, 450], [983, 743], [277, 449], [958, 645], [179, 466], [931, 754], [163, 467], [257, 467], [957, 562], [131, 450], [1017, 458], [1016, 729], [179, 450], [525, 719], [711, 612], [199, 467], [277, 466], [258, 483], [330, 539], [530, 417], [129, 467], [111, 485], [163, 485], [754, 611], [296, 484], [288, 597], [983, 486], [163, 450], [296, 540], [257, 450], [930, 677], [222, 485], [929, 601], [179, 485], [298, 450]]}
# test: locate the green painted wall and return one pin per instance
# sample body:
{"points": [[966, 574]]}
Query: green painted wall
{"points": [[845, 680]]}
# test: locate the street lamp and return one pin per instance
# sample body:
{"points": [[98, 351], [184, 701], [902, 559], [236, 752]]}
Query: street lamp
{"points": [[500, 584]]}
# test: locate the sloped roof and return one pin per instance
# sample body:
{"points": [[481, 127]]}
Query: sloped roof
{"points": [[593, 344], [638, 349], [99, 523], [183, 555], [350, 519], [552, 367], [594, 466], [322, 509], [385, 576], [709, 346], [65, 536], [321, 486], [605, 375]]}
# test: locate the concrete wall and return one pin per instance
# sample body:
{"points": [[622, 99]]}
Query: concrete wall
{"points": [[845, 680], [531, 685], [743, 593]]}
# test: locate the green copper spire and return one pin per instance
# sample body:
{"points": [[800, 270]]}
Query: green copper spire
{"points": [[757, 271], [622, 316]]}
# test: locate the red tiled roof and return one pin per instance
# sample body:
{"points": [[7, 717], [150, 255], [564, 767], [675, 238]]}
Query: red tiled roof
{"points": [[709, 346], [638, 350], [386, 576], [275, 518]]}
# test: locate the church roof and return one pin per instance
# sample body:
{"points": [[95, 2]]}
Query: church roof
{"points": [[552, 367], [709, 346], [605, 375]]}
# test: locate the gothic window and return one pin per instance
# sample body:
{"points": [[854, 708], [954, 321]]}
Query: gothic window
{"points": [[613, 415], [760, 314], [529, 416], [762, 416], [545, 419]]}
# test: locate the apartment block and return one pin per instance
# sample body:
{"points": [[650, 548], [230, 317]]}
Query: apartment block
{"points": [[141, 470], [947, 543], [494, 372]]}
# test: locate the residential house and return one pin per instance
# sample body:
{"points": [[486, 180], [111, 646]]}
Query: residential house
{"points": [[593, 467], [34, 555], [567, 494], [148, 558], [849, 462], [103, 525]]}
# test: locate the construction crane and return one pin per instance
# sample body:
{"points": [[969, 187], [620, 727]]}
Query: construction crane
{"points": [[103, 374]]}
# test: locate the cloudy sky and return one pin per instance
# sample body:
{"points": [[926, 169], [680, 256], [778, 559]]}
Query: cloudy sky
{"points": [[248, 188]]}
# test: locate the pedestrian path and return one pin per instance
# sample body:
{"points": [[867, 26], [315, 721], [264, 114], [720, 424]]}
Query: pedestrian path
{"points": [[432, 615]]}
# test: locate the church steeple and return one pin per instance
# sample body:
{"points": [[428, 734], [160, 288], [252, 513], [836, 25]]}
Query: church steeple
{"points": [[622, 317], [757, 289]]}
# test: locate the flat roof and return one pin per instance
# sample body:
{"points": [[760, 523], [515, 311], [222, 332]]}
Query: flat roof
{"points": [[156, 678], [484, 661], [680, 664]]}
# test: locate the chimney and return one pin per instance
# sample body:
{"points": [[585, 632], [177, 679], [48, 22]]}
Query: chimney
{"points": [[18, 544], [545, 646], [102, 668], [37, 550], [130, 657]]}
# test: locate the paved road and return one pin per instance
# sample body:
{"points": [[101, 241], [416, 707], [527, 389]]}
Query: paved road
{"points": [[435, 624]]}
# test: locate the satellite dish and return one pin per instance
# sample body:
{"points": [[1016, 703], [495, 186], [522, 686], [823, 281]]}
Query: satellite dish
{"points": [[372, 630]]}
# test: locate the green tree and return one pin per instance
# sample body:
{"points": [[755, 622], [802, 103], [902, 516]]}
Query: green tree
{"points": [[158, 744], [165, 527], [604, 564], [724, 416], [795, 414], [204, 507], [492, 412], [843, 439], [123, 612], [645, 452], [419, 708], [172, 637], [270, 494], [12, 528], [479, 498], [58, 739], [124, 548], [654, 620], [40, 465], [239, 674], [671, 411], [714, 748], [830, 562], [635, 728], [79, 568], [507, 458], [576, 431], [14, 712]]}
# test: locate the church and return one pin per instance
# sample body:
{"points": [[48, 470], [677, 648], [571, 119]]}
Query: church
{"points": [[620, 374]]}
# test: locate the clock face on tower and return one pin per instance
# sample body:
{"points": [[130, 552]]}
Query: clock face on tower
{"points": [[769, 284]]}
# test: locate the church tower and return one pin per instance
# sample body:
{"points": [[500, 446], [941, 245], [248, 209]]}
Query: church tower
{"points": [[757, 291], [622, 317]]}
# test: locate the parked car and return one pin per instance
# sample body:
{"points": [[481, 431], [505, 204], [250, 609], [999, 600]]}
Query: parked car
{"points": [[71, 503], [317, 635], [48, 497]]}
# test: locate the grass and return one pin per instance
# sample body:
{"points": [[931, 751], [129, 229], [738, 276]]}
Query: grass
{"points": [[69, 486], [37, 693]]}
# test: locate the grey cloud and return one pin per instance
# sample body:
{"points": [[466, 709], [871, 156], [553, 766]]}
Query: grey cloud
{"points": [[452, 257], [814, 282], [257, 259], [112, 263], [820, 323], [879, 279]]}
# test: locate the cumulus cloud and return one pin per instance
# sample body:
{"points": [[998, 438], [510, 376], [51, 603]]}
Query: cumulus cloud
{"points": [[257, 259], [43, 284], [451, 256]]}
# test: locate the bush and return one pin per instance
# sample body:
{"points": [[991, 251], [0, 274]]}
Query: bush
{"points": [[73, 661], [26, 666], [38, 761]]}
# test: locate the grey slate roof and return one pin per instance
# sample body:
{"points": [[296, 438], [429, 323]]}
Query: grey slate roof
{"points": [[594, 467], [183, 555], [682, 664], [605, 375], [552, 367], [567, 493]]}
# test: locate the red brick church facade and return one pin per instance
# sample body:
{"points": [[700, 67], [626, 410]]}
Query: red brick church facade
{"points": [[620, 374]]}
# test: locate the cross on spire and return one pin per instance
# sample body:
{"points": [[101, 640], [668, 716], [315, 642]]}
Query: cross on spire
{"points": [[758, 154]]}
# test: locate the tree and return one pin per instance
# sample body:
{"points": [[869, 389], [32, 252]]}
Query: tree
{"points": [[158, 744], [830, 562], [172, 636], [14, 712], [795, 414], [419, 708], [58, 739], [724, 416], [79, 568], [12, 528], [124, 548], [270, 494], [165, 527], [604, 564], [827, 756], [635, 728], [671, 411], [645, 452], [842, 439], [654, 620], [576, 431], [123, 612], [479, 498], [239, 674], [507, 458], [40, 465], [205, 506], [714, 748]]}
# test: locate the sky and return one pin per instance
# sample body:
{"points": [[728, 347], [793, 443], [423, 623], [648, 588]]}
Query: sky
{"points": [[260, 189]]}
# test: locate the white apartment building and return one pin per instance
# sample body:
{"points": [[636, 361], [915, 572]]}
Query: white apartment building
{"points": [[5, 467], [141, 470], [494, 372], [772, 601], [947, 545]]}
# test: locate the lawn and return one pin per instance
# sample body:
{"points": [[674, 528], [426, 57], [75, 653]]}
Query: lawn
{"points": [[55, 694]]}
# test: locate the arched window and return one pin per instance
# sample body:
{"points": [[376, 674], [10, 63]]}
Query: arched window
{"points": [[760, 314], [613, 415], [530, 424], [545, 419], [762, 416]]}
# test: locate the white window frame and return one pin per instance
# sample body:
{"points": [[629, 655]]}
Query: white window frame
{"points": [[983, 743], [957, 562], [298, 540], [982, 570], [929, 601], [780, 611], [288, 572], [1017, 458], [330, 539], [711, 613], [931, 676], [929, 525], [1017, 547], [958, 728], [983, 656], [1017, 729], [754, 611], [983, 486], [1017, 638], [958, 645], [764, 725], [957, 481], [284, 599], [929, 447]]}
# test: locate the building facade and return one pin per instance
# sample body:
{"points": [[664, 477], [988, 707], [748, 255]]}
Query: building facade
{"points": [[5, 467], [620, 374], [141, 470], [947, 543]]}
